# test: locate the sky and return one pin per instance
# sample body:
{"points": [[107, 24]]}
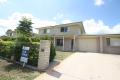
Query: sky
{"points": [[98, 16]]}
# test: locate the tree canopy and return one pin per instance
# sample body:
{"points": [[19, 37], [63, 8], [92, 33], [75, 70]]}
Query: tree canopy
{"points": [[25, 27]]}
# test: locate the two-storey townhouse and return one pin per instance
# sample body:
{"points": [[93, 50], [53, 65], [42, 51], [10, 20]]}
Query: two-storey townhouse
{"points": [[65, 35], [72, 37]]}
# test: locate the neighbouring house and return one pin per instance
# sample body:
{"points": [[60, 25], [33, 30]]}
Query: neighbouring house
{"points": [[72, 37], [9, 33]]}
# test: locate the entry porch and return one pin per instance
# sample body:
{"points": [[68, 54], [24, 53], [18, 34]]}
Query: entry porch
{"points": [[65, 43]]}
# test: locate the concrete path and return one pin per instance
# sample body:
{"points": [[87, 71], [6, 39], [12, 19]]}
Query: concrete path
{"points": [[85, 66]]}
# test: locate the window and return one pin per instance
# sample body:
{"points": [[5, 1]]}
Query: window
{"points": [[64, 29], [115, 42], [59, 42], [108, 41], [46, 31]]}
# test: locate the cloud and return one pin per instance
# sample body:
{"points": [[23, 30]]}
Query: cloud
{"points": [[58, 16], [3, 1], [2, 31], [66, 21], [99, 2], [91, 26], [98, 27], [13, 21]]}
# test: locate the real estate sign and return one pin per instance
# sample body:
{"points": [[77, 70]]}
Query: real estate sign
{"points": [[24, 55]]}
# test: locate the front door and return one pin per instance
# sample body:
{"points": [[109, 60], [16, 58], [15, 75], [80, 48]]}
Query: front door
{"points": [[72, 44]]}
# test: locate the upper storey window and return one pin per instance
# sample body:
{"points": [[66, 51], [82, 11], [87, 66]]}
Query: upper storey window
{"points": [[46, 31], [64, 29]]}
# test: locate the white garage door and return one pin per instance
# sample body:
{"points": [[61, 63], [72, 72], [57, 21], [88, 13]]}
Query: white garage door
{"points": [[87, 44]]}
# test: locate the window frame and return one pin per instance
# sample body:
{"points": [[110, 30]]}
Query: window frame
{"points": [[64, 29], [114, 42], [59, 42], [46, 31]]}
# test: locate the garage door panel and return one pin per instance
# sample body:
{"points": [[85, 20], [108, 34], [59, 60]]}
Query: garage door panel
{"points": [[89, 45]]}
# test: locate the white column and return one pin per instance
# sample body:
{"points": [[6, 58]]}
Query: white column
{"points": [[101, 44], [63, 43], [54, 41], [74, 43]]}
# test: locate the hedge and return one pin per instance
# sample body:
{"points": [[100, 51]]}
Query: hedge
{"points": [[36, 39], [7, 49], [6, 38]]}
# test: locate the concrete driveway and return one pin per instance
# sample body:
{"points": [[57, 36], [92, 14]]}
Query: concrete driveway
{"points": [[85, 66]]}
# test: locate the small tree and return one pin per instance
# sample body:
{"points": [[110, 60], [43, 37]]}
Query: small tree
{"points": [[24, 32], [25, 27], [52, 52]]}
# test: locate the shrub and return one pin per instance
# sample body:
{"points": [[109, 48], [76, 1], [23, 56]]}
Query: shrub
{"points": [[1, 40], [45, 37], [33, 55], [23, 39], [6, 38], [37, 39], [52, 52], [20, 42], [7, 49]]}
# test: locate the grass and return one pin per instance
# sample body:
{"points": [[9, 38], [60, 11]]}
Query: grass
{"points": [[9, 71], [62, 55]]}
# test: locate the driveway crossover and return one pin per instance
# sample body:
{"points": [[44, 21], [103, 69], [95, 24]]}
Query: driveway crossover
{"points": [[85, 66]]}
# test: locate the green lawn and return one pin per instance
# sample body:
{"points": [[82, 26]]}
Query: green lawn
{"points": [[62, 55], [9, 71]]}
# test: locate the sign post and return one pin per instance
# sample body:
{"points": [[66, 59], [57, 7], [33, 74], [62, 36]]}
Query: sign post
{"points": [[24, 56]]}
